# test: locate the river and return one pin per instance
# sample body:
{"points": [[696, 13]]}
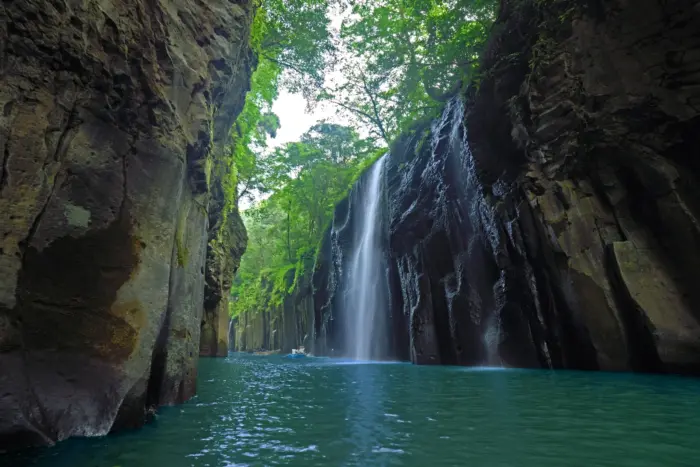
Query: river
{"points": [[259, 411]]}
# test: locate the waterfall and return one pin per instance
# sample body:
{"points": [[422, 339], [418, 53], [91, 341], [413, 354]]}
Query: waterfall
{"points": [[429, 258], [365, 303], [231, 336]]}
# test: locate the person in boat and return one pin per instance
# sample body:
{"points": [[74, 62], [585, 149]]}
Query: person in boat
{"points": [[297, 353]]}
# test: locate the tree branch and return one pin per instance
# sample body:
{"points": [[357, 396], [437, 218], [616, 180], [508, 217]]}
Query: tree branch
{"points": [[375, 109], [284, 64], [354, 110], [364, 114]]}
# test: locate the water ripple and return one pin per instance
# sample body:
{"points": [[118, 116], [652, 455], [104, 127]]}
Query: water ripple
{"points": [[260, 411]]}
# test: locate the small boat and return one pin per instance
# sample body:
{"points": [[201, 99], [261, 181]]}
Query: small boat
{"points": [[297, 353]]}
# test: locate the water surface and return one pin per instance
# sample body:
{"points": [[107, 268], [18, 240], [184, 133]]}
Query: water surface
{"points": [[259, 411]]}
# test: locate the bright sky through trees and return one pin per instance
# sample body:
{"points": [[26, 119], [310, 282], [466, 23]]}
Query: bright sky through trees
{"points": [[336, 82], [291, 108]]}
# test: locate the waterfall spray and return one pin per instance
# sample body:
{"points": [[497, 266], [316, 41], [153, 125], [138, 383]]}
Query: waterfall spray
{"points": [[365, 304]]}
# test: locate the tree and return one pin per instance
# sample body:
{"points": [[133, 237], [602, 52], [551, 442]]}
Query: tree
{"points": [[340, 144], [314, 174], [283, 57], [395, 62], [296, 38], [307, 179], [404, 58]]}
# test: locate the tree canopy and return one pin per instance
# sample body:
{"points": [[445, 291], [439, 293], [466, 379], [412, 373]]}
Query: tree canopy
{"points": [[391, 63], [404, 58], [310, 176]]}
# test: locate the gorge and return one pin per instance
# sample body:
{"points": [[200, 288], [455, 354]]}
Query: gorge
{"points": [[550, 221], [546, 217]]}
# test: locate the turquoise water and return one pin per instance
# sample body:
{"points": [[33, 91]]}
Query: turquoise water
{"points": [[259, 411]]}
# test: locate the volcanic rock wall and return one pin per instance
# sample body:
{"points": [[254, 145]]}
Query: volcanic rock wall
{"points": [[552, 220], [112, 113]]}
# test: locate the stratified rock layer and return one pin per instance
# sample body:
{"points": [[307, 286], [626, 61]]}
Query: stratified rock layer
{"points": [[111, 114], [553, 219]]}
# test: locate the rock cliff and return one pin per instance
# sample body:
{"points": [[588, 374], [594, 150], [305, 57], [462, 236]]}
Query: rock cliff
{"points": [[226, 246], [112, 113], [283, 321], [551, 217]]}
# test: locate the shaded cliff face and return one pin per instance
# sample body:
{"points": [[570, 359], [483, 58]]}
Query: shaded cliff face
{"points": [[552, 221], [111, 114], [225, 249], [605, 124]]}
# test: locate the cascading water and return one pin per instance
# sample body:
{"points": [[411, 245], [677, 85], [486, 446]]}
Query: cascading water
{"points": [[421, 264], [231, 336], [365, 304]]}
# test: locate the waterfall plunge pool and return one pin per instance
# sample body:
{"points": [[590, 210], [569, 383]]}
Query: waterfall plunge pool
{"points": [[260, 411]]}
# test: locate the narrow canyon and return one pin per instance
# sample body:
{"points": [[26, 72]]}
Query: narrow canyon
{"points": [[547, 218]]}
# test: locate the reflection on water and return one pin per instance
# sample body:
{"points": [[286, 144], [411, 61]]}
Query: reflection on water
{"points": [[258, 411]]}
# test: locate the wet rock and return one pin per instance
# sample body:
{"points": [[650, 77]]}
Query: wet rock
{"points": [[226, 247], [615, 179], [552, 219], [111, 116]]}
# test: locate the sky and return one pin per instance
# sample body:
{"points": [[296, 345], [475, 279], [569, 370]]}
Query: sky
{"points": [[294, 121], [290, 108]]}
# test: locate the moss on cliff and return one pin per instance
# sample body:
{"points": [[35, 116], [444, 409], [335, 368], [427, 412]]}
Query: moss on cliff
{"points": [[105, 184]]}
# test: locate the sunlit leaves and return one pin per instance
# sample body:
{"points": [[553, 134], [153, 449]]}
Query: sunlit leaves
{"points": [[296, 38], [309, 178], [405, 57]]}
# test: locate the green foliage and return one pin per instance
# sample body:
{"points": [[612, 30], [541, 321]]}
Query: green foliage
{"points": [[296, 38], [249, 134], [283, 56], [406, 57], [395, 62], [310, 177], [280, 280]]}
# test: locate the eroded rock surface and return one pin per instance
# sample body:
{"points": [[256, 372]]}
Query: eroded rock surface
{"points": [[608, 120], [552, 220], [226, 246], [111, 114]]}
